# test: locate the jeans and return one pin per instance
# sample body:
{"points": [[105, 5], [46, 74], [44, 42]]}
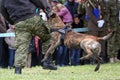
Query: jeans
{"points": [[11, 57], [75, 56], [61, 56]]}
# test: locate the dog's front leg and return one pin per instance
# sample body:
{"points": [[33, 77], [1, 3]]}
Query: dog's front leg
{"points": [[52, 48]]}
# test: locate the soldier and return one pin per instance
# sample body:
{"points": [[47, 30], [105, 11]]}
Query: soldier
{"points": [[112, 9], [86, 8], [21, 13]]}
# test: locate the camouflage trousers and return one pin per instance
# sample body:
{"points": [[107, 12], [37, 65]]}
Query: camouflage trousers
{"points": [[114, 41], [24, 31]]}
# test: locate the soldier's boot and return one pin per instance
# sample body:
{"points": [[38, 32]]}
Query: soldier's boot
{"points": [[112, 60], [18, 70], [47, 64], [116, 60]]}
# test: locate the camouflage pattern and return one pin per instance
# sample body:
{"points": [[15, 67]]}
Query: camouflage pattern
{"points": [[24, 31], [86, 8], [112, 8]]}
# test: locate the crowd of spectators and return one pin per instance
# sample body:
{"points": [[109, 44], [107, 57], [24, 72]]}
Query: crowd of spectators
{"points": [[68, 11]]}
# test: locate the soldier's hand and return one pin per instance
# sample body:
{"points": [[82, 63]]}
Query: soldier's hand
{"points": [[100, 23]]}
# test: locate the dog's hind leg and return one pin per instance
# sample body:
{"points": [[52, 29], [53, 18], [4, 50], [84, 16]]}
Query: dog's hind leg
{"points": [[99, 60], [87, 46], [89, 53], [96, 55]]}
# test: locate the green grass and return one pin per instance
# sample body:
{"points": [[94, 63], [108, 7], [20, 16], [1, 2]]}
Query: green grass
{"points": [[109, 71]]}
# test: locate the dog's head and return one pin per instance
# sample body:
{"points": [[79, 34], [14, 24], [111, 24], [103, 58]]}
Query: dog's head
{"points": [[56, 22]]}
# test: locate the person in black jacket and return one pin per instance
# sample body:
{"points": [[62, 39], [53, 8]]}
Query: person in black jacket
{"points": [[3, 45], [72, 6], [21, 13]]}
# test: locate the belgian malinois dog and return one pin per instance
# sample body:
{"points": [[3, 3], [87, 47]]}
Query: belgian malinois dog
{"points": [[89, 43]]}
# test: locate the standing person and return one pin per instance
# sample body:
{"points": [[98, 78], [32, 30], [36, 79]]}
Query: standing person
{"points": [[113, 8], [75, 53], [72, 6], [54, 2], [21, 13], [93, 11], [66, 17], [11, 44], [3, 45]]}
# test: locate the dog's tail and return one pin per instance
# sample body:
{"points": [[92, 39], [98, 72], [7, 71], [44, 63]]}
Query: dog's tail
{"points": [[106, 37]]}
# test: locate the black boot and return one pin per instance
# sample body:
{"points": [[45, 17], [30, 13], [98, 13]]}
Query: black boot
{"points": [[48, 64], [18, 70]]}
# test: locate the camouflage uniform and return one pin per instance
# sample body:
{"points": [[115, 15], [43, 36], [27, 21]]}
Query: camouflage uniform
{"points": [[24, 30], [93, 29], [113, 7], [27, 23]]}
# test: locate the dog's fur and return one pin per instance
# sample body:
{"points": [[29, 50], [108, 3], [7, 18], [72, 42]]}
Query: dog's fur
{"points": [[90, 44]]}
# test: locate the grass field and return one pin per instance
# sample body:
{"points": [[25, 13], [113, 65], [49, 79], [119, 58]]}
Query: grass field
{"points": [[110, 71]]}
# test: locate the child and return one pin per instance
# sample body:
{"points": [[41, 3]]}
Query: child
{"points": [[63, 56], [11, 44], [64, 14], [75, 53], [77, 22]]}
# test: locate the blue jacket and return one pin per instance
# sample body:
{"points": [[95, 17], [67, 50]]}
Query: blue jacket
{"points": [[72, 7]]}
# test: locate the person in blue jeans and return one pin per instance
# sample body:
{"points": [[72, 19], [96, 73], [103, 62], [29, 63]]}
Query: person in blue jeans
{"points": [[74, 57], [11, 44], [61, 55], [11, 58], [75, 53]]}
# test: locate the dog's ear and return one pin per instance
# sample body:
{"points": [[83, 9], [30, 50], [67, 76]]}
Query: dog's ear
{"points": [[56, 22]]}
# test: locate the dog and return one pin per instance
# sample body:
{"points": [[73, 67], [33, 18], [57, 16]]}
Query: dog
{"points": [[89, 43]]}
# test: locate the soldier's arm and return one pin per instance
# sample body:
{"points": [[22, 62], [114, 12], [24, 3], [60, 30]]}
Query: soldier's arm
{"points": [[41, 4], [91, 15], [2, 24], [4, 12], [103, 11], [44, 4]]}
